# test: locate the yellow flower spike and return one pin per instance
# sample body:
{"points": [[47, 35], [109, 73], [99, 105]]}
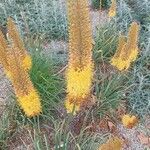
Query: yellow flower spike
{"points": [[27, 62], [132, 42], [78, 86], [80, 67], [115, 61], [129, 121], [112, 9], [129, 54], [127, 51], [16, 62], [28, 98], [112, 144]]}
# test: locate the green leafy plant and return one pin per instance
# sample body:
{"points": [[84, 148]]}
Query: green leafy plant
{"points": [[105, 42], [97, 3], [110, 91], [49, 86]]}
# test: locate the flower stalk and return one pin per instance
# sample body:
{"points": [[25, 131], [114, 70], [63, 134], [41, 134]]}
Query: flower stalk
{"points": [[80, 66]]}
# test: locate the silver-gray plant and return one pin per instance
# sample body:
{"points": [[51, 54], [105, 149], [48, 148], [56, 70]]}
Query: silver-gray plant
{"points": [[44, 17]]}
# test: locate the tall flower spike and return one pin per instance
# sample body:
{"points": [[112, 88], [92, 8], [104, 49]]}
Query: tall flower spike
{"points": [[121, 46], [26, 94], [132, 43], [129, 50], [80, 67], [112, 9], [17, 42]]}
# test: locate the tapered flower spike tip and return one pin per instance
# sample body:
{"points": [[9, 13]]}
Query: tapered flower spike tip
{"points": [[14, 36], [132, 43], [112, 9], [121, 45], [16, 41], [80, 67], [133, 34]]}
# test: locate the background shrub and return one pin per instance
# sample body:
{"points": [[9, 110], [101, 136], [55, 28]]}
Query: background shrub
{"points": [[43, 17], [138, 95], [96, 4]]}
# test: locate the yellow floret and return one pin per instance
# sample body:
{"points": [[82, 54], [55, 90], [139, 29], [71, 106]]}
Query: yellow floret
{"points": [[114, 61], [78, 87], [123, 64], [120, 64], [79, 81], [112, 10], [30, 104], [27, 62], [8, 74], [129, 121], [112, 13], [112, 144], [134, 54]]}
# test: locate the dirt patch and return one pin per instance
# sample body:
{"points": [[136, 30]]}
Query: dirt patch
{"points": [[4, 85], [2, 106], [99, 19], [56, 50], [131, 138], [5, 88], [21, 140]]}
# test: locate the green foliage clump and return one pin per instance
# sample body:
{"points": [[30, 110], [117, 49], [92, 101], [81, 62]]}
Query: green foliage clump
{"points": [[139, 94], [96, 4], [105, 42], [110, 91], [49, 86]]}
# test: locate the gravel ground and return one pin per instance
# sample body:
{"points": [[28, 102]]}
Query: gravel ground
{"points": [[131, 138], [5, 90], [99, 18]]}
